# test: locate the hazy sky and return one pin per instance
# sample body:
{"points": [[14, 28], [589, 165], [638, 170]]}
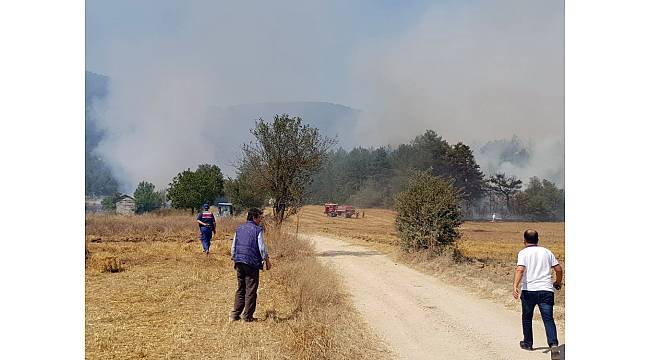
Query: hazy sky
{"points": [[257, 50], [471, 70]]}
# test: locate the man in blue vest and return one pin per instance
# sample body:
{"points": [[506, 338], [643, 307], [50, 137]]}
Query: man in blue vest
{"points": [[249, 254], [206, 226]]}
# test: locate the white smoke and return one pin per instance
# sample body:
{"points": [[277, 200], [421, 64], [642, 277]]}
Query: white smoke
{"points": [[472, 71], [170, 62], [543, 159], [157, 129]]}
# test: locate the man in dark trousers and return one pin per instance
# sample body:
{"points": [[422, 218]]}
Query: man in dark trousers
{"points": [[248, 252], [534, 265], [206, 226]]}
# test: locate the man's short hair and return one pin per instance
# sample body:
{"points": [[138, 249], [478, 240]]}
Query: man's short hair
{"points": [[253, 213], [531, 236]]}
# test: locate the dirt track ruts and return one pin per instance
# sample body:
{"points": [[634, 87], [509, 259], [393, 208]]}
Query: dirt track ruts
{"points": [[420, 317]]}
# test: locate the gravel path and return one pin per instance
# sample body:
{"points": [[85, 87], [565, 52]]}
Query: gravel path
{"points": [[419, 316]]}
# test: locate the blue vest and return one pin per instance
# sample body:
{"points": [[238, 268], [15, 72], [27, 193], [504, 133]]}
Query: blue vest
{"points": [[206, 217], [246, 249]]}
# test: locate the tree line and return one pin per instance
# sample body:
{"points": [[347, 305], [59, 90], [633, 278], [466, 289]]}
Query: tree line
{"points": [[372, 177], [187, 190], [289, 164]]}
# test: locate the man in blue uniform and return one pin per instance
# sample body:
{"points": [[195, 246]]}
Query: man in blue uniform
{"points": [[249, 253], [206, 226]]}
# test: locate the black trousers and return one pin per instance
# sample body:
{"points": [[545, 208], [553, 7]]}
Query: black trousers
{"points": [[248, 278]]}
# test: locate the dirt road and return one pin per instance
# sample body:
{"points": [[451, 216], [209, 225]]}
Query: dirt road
{"points": [[420, 317]]}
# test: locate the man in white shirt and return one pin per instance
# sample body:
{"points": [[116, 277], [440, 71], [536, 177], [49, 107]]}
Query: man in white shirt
{"points": [[534, 264]]}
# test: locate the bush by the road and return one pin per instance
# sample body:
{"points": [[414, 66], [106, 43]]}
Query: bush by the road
{"points": [[428, 212]]}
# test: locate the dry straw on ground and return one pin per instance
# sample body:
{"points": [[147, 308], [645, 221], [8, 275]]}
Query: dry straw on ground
{"points": [[172, 302], [110, 264]]}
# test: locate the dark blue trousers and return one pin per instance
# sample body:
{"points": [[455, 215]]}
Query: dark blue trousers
{"points": [[206, 236], [545, 300]]}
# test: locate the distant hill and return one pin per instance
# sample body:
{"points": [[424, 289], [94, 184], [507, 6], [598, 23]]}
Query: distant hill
{"points": [[233, 124], [332, 119]]}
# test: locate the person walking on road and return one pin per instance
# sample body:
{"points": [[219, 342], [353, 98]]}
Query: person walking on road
{"points": [[249, 255], [534, 264], [206, 227]]}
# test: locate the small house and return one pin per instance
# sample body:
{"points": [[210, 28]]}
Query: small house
{"points": [[224, 209], [125, 205]]}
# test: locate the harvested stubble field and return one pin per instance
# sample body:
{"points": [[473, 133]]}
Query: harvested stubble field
{"points": [[489, 250], [151, 293]]}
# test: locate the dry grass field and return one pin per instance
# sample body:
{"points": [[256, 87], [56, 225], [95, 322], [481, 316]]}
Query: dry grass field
{"points": [[490, 249], [479, 240], [152, 294]]}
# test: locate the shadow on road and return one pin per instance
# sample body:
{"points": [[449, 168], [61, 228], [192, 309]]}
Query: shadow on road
{"points": [[332, 253]]}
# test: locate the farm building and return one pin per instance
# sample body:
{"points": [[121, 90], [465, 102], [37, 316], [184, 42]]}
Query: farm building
{"points": [[125, 205]]}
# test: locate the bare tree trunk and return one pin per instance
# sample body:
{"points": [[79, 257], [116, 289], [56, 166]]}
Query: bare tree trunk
{"points": [[278, 212]]}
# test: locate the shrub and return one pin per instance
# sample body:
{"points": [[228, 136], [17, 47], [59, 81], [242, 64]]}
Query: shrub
{"points": [[109, 202], [428, 212]]}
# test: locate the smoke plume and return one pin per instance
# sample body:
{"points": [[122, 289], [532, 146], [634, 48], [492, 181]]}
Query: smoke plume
{"points": [[170, 62], [473, 72]]}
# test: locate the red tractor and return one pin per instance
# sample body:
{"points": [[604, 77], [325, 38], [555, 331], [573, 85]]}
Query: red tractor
{"points": [[335, 210]]}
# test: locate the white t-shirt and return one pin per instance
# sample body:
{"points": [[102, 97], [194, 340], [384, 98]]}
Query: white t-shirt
{"points": [[538, 262]]}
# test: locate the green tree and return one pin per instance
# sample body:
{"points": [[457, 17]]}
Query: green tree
{"points": [[428, 212], [182, 192], [242, 194], [190, 189], [284, 156], [465, 171], [371, 177], [541, 201], [504, 185], [146, 198], [109, 203], [430, 151]]}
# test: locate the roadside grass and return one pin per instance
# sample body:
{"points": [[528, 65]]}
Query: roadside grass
{"points": [[483, 263], [170, 301]]}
